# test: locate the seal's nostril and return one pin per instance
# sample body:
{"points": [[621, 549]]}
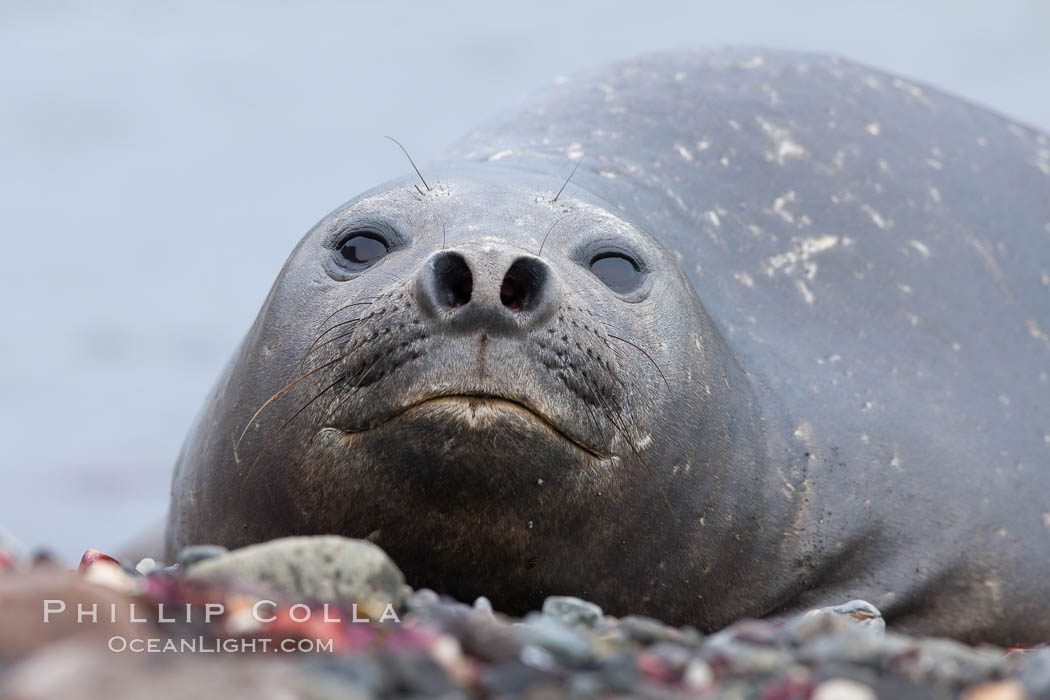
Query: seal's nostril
{"points": [[511, 292], [452, 280], [523, 284], [459, 291]]}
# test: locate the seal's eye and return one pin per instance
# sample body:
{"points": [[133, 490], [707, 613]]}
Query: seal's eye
{"points": [[617, 271], [363, 248]]}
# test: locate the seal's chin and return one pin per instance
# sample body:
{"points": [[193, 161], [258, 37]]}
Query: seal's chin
{"points": [[475, 414]]}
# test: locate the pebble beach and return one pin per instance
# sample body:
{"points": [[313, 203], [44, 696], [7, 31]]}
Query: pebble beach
{"points": [[330, 617]]}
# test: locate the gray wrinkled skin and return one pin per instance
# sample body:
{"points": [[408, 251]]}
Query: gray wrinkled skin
{"points": [[846, 291]]}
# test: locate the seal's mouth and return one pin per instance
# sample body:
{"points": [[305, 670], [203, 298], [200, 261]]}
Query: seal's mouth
{"points": [[476, 408]]}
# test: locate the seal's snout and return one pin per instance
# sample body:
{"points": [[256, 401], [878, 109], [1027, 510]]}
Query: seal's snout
{"points": [[486, 289]]}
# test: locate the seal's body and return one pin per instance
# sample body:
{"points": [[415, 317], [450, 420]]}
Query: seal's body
{"points": [[783, 341]]}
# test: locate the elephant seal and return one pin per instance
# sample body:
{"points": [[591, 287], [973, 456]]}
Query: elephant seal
{"points": [[783, 340]]}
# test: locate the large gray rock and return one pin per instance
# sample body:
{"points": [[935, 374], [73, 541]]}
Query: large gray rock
{"points": [[326, 567], [573, 612], [1035, 674]]}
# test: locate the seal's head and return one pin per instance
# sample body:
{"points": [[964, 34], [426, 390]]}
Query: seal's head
{"points": [[514, 394]]}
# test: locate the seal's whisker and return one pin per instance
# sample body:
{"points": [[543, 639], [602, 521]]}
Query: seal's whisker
{"points": [[647, 355], [359, 377], [285, 425], [327, 342], [314, 346], [339, 402], [567, 180], [610, 415], [539, 253], [344, 308], [279, 392], [623, 432], [414, 164], [610, 373], [634, 448], [621, 353], [331, 328], [591, 411]]}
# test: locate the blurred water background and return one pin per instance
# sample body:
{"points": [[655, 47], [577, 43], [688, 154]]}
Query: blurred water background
{"points": [[158, 162]]}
